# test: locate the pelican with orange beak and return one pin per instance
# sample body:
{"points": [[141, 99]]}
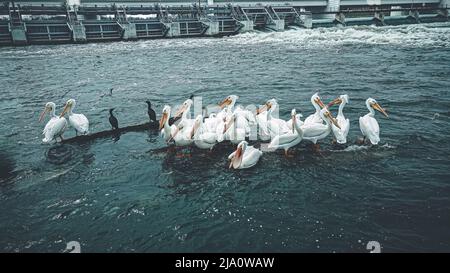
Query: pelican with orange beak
{"points": [[229, 101], [77, 121], [166, 129], [227, 106], [340, 133], [234, 129], [288, 139], [368, 124], [182, 134], [55, 127], [202, 138], [244, 157], [314, 131], [185, 113], [318, 104], [274, 125]]}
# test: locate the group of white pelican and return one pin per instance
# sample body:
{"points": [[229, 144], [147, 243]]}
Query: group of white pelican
{"points": [[235, 124], [57, 124]]}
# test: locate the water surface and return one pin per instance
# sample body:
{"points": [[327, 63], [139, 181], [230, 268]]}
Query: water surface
{"points": [[131, 194]]}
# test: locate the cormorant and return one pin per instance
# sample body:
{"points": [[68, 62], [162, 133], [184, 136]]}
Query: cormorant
{"points": [[113, 120], [151, 112]]}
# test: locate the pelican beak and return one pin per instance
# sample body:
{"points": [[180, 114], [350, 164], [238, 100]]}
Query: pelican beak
{"points": [[263, 109], [378, 107], [320, 103], [332, 119], [237, 159], [293, 123], [66, 108], [162, 121], [180, 111], [224, 103], [41, 117], [334, 102]]}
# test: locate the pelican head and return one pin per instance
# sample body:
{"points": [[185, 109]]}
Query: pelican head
{"points": [[317, 101], [272, 103], [165, 116], [184, 107], [326, 114], [230, 100], [236, 160], [197, 123], [339, 100], [374, 104], [70, 104], [49, 107]]}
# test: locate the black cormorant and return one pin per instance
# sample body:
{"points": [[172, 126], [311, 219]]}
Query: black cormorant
{"points": [[113, 120], [151, 112]]}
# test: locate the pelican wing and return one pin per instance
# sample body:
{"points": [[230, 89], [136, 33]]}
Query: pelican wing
{"points": [[49, 125], [79, 122], [314, 118], [313, 129], [370, 128], [208, 137], [341, 134], [250, 157], [56, 128], [277, 127], [285, 140]]}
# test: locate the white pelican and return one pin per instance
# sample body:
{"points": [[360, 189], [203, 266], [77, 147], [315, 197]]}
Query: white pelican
{"points": [[77, 121], [166, 129], [275, 126], [317, 103], [202, 138], [298, 120], [211, 123], [229, 101], [368, 124], [340, 133], [314, 131], [234, 129], [244, 157], [55, 127], [183, 133], [185, 113], [288, 139]]}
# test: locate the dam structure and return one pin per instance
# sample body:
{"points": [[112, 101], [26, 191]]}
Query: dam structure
{"points": [[80, 21]]}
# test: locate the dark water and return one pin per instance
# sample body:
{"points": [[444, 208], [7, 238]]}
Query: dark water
{"points": [[133, 195]]}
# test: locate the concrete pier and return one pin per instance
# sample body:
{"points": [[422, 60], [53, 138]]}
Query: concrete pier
{"points": [[173, 29], [18, 34], [78, 32], [247, 25], [128, 31], [212, 27]]}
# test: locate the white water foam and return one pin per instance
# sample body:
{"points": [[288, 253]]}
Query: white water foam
{"points": [[419, 35]]}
